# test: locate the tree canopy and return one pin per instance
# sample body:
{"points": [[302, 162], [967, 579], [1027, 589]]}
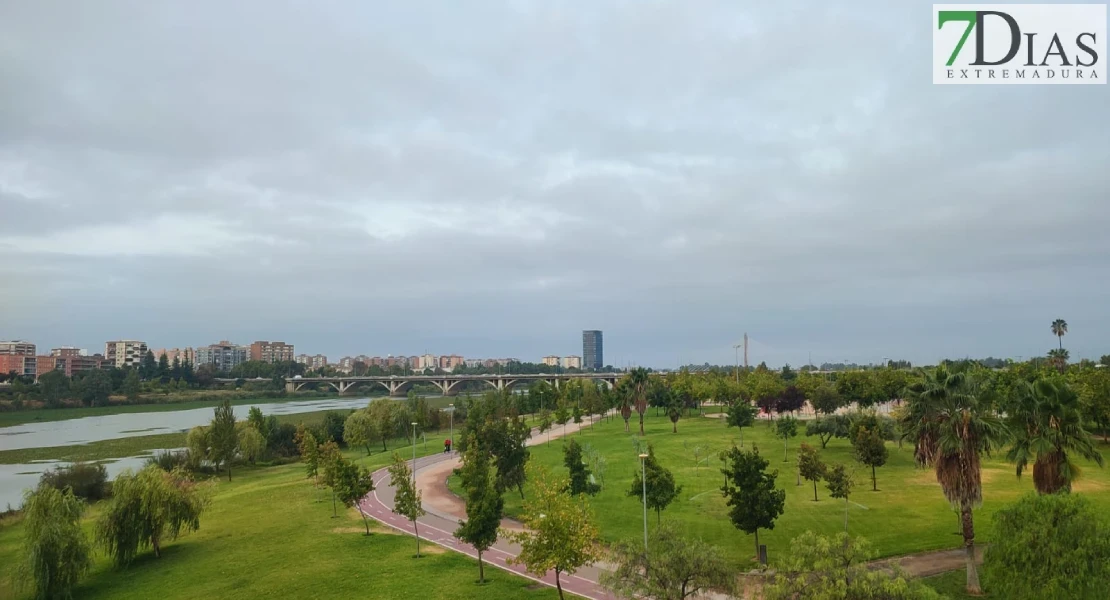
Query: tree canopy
{"points": [[673, 567], [55, 551]]}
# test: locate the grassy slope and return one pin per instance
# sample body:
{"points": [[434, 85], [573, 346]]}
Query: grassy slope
{"points": [[908, 514], [269, 534]]}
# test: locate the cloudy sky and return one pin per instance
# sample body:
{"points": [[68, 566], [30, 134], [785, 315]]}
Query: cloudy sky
{"points": [[490, 178]]}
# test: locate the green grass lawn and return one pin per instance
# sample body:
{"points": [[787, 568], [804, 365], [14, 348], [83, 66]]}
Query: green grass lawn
{"points": [[908, 514], [269, 534], [953, 584]]}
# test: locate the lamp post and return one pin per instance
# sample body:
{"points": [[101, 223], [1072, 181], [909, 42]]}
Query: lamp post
{"points": [[643, 480], [414, 454], [451, 431]]}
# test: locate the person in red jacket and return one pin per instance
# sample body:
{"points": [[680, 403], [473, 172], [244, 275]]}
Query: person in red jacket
{"points": [[446, 446]]}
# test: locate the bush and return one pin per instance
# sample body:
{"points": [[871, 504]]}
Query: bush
{"points": [[87, 480], [170, 459], [281, 440], [1048, 546]]}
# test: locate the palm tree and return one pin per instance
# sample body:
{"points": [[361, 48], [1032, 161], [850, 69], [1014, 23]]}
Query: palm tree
{"points": [[919, 421], [1060, 329], [967, 428], [637, 390], [1048, 426], [1059, 356], [623, 399]]}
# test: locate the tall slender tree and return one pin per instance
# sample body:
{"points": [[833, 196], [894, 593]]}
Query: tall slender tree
{"points": [[967, 429], [484, 504], [407, 501], [1046, 421], [55, 551], [638, 388], [223, 438], [1060, 329], [750, 492]]}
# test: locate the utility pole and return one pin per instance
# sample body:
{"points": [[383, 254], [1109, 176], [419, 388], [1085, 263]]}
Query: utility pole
{"points": [[745, 351], [736, 347]]}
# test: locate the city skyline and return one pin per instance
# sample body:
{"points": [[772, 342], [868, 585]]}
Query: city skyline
{"points": [[459, 180]]}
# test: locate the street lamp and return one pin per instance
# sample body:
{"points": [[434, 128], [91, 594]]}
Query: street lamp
{"points": [[414, 455], [643, 480], [451, 431], [736, 347]]}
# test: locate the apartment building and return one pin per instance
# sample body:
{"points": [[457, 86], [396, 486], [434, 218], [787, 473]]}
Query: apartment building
{"points": [[448, 363], [225, 356], [551, 361], [17, 348], [124, 353], [19, 364], [182, 355], [312, 362], [572, 362], [272, 352], [68, 361]]}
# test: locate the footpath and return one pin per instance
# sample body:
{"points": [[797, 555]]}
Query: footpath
{"points": [[445, 510]]}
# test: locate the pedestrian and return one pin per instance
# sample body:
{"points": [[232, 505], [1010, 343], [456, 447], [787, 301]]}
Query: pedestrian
{"points": [[446, 446]]}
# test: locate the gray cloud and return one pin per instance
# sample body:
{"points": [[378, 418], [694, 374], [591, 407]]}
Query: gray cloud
{"points": [[493, 177]]}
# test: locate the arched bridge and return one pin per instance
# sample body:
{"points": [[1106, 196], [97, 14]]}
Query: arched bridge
{"points": [[398, 385]]}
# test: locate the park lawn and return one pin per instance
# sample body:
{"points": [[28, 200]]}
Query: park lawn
{"points": [[953, 584], [907, 515], [270, 534]]}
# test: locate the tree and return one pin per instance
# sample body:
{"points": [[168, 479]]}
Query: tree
{"points": [[1048, 546], [508, 440], [828, 427], [844, 573], [384, 413], [360, 429], [1047, 424], [674, 567], [352, 484], [55, 552], [791, 400], [638, 382], [257, 420], [330, 459], [222, 437], [676, 403], [810, 466], [310, 453], [484, 504], [163, 365], [741, 414], [1060, 329], [661, 488], [870, 451], [148, 367], [825, 399], [406, 501], [559, 532], [786, 428], [579, 479], [96, 386], [1059, 357], [967, 428], [197, 446], [55, 388], [146, 508], [750, 492], [840, 483], [251, 443]]}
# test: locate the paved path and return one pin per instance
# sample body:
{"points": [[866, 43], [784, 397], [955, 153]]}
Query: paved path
{"points": [[445, 510]]}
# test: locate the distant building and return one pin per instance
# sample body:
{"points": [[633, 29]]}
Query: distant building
{"points": [[572, 362], [551, 361], [592, 350], [271, 352], [448, 363], [346, 364], [225, 356], [20, 364], [68, 351], [182, 355], [477, 362], [17, 348], [312, 362], [124, 353], [427, 361], [68, 361]]}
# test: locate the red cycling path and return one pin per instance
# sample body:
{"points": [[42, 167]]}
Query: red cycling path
{"points": [[438, 525]]}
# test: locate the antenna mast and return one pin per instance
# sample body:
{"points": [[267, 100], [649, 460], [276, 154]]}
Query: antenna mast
{"points": [[745, 351]]}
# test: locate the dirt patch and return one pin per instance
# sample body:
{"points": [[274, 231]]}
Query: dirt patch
{"points": [[349, 530], [431, 548]]}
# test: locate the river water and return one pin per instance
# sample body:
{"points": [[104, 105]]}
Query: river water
{"points": [[14, 479]]}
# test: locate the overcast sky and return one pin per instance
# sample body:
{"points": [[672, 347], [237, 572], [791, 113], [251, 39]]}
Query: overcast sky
{"points": [[490, 178]]}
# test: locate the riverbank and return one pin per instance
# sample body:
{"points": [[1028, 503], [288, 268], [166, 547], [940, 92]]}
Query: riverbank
{"points": [[156, 403]]}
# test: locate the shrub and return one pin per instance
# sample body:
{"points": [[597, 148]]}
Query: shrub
{"points": [[170, 459], [86, 480]]}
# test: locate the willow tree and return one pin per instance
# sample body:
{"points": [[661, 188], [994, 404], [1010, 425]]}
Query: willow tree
{"points": [[55, 552], [1047, 424], [148, 508]]}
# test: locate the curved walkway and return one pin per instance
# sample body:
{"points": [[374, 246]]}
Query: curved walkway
{"points": [[445, 510]]}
